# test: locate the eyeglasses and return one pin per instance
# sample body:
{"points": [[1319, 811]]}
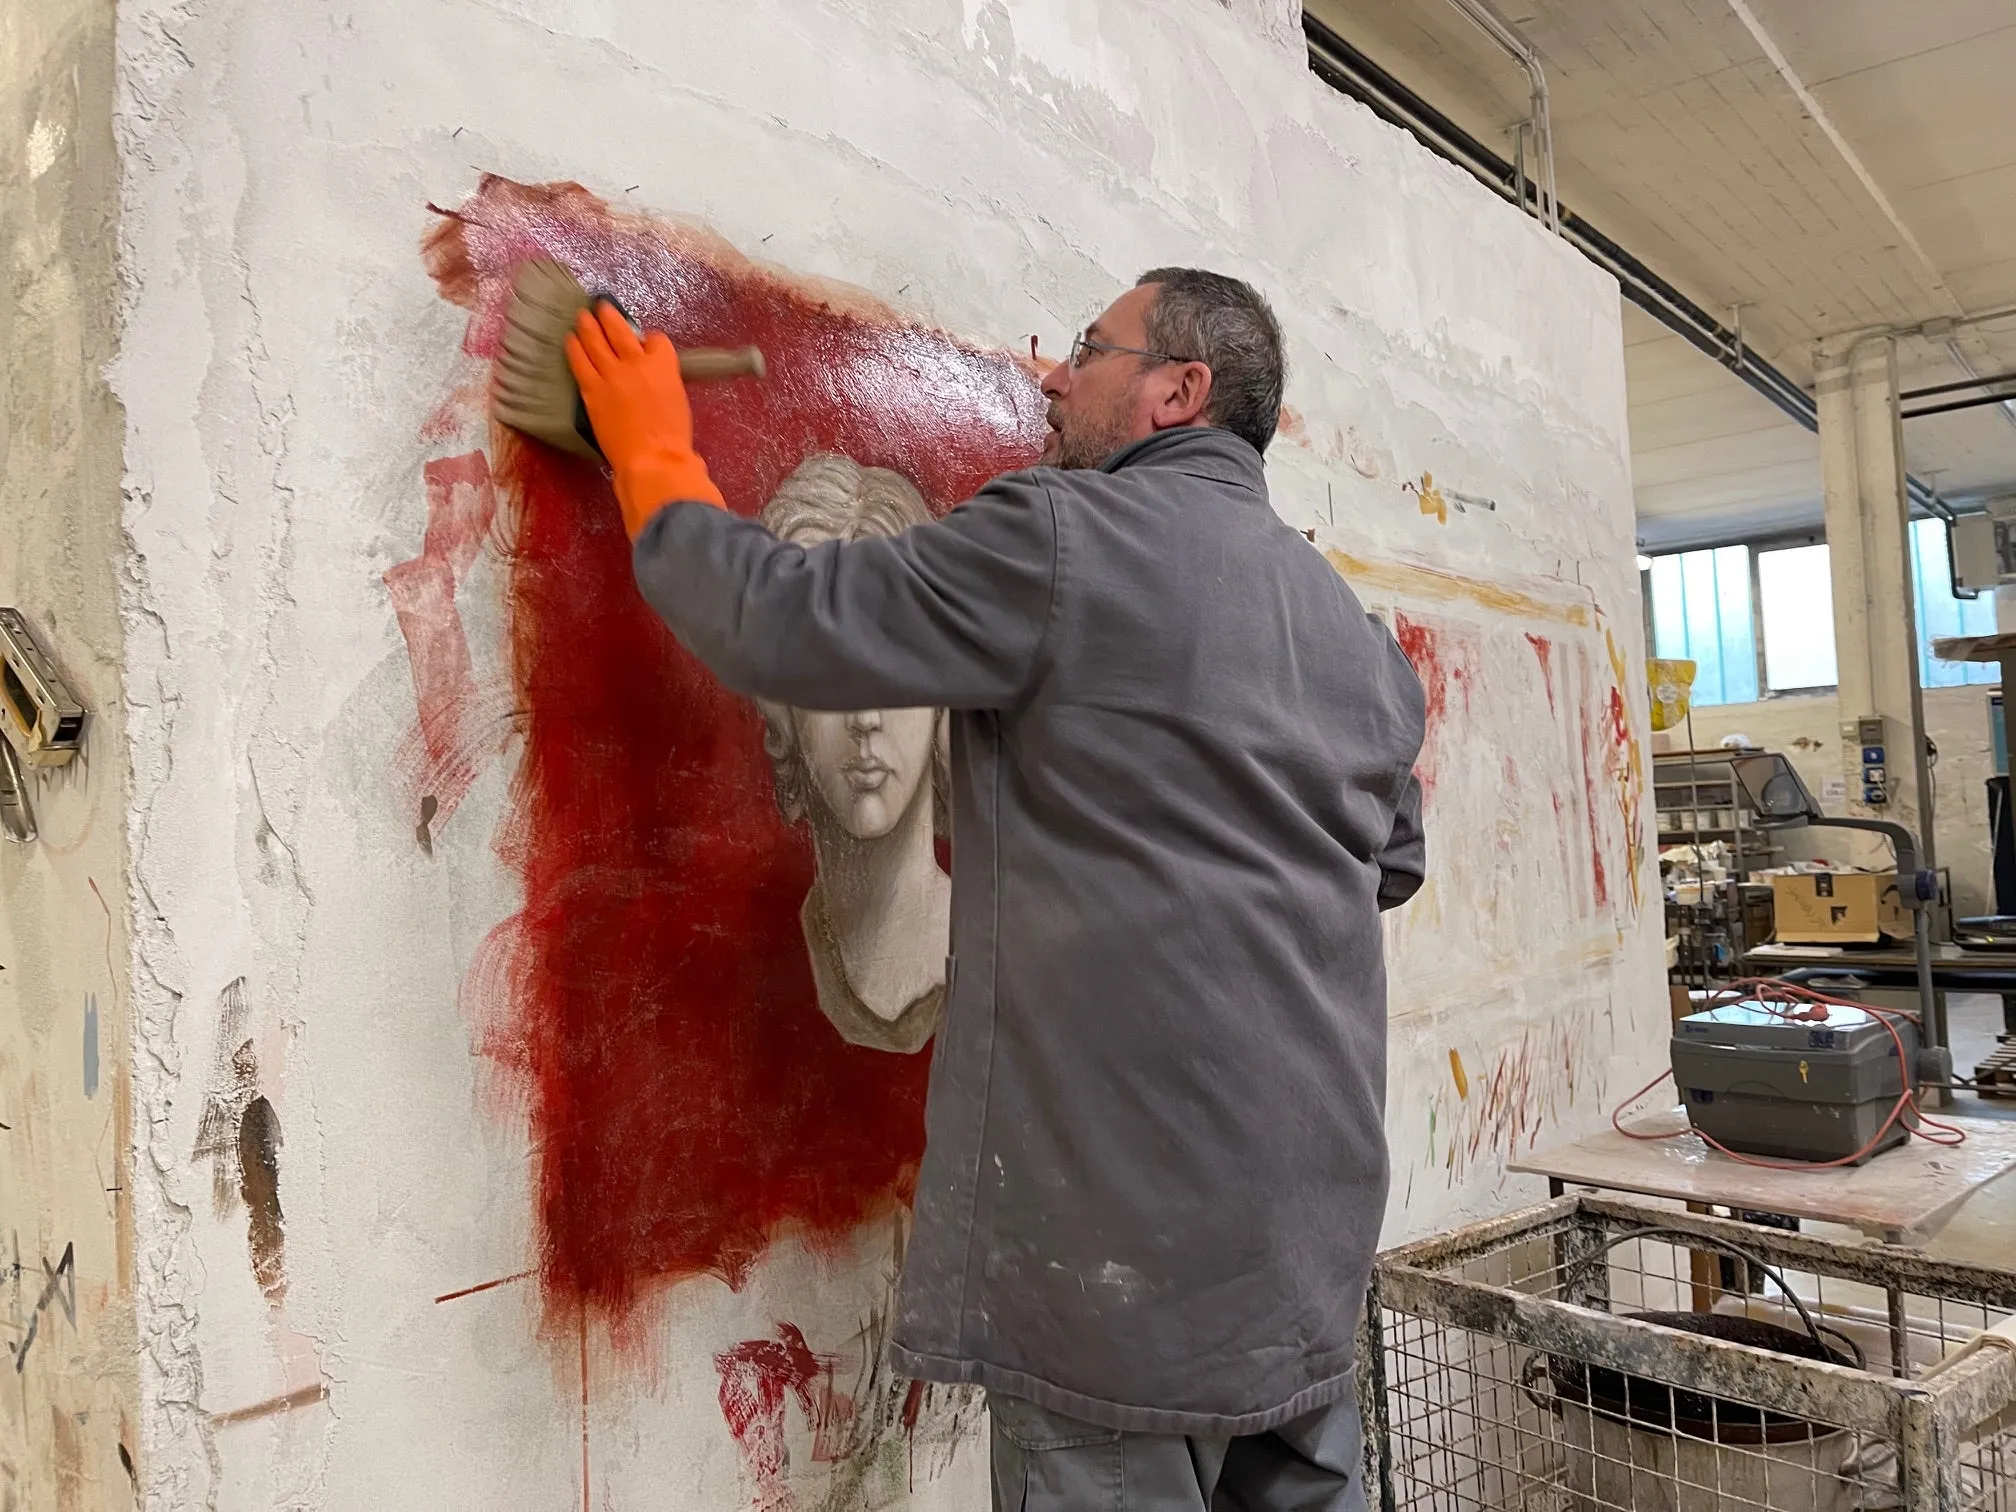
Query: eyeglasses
{"points": [[1083, 345]]}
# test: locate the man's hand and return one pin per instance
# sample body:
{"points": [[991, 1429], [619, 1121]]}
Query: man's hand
{"points": [[637, 403]]}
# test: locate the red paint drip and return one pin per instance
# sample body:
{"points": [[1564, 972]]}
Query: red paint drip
{"points": [[459, 729], [1592, 763], [913, 1404], [1543, 648], [689, 1103], [587, 1493]]}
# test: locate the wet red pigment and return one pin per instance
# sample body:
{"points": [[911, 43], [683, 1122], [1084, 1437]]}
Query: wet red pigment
{"points": [[689, 1102]]}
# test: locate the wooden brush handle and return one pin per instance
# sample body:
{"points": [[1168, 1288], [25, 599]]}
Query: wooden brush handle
{"points": [[720, 362]]}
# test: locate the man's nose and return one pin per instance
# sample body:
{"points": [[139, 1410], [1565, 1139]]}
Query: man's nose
{"points": [[864, 721], [1057, 382]]}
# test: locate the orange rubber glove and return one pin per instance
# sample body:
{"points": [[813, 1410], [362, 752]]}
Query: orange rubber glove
{"points": [[637, 403]]}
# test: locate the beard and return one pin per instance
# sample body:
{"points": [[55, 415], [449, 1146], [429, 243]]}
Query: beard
{"points": [[1086, 440]]}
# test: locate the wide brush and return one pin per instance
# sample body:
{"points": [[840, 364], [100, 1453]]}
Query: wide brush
{"points": [[533, 390]]}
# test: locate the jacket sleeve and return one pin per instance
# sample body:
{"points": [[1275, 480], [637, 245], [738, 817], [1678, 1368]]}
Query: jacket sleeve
{"points": [[946, 615], [1403, 864]]}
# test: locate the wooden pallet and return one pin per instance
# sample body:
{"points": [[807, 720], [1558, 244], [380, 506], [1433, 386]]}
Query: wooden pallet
{"points": [[1996, 1076]]}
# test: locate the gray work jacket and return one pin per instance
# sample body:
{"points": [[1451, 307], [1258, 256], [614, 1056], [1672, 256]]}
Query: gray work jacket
{"points": [[1182, 791]]}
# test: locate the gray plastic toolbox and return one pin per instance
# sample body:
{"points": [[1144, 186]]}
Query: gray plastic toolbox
{"points": [[1796, 1089]]}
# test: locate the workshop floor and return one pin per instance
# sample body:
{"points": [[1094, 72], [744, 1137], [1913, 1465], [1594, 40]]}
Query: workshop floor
{"points": [[1985, 1229]]}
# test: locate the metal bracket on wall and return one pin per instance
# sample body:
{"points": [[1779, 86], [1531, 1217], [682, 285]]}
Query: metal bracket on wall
{"points": [[38, 713], [17, 819]]}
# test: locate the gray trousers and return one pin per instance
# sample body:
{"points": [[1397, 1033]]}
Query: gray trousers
{"points": [[1046, 1462]]}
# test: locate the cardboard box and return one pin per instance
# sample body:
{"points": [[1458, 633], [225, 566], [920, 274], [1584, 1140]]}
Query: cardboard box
{"points": [[1838, 908]]}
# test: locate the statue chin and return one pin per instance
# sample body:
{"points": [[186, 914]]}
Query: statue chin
{"points": [[904, 1031]]}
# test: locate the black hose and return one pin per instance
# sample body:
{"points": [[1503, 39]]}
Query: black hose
{"points": [[1750, 1258]]}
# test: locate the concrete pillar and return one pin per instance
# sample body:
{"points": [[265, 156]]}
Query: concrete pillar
{"points": [[1875, 627]]}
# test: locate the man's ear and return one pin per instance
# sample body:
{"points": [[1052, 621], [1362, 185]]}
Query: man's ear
{"points": [[1187, 399]]}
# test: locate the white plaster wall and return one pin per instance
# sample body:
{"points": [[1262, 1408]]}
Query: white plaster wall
{"points": [[996, 169], [68, 1381]]}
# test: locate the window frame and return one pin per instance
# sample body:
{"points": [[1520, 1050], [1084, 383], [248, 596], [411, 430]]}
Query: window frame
{"points": [[1783, 540]]}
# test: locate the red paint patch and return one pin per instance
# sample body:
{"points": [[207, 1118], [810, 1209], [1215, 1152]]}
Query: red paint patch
{"points": [[1445, 658], [689, 1102], [458, 728], [759, 1378], [1620, 721]]}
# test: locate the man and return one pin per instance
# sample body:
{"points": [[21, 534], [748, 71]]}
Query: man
{"points": [[1182, 792]]}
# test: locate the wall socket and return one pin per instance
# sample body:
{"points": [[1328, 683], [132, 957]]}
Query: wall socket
{"points": [[1865, 760]]}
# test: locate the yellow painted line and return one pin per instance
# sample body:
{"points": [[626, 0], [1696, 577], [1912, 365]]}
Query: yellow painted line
{"points": [[1432, 585]]}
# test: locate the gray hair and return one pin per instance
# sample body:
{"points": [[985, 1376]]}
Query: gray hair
{"points": [[829, 497], [1223, 323]]}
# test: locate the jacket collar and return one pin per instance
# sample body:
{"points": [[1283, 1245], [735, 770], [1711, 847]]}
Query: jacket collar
{"points": [[1201, 451]]}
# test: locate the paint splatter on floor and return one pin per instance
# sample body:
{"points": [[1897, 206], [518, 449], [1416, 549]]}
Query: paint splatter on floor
{"points": [[689, 1103]]}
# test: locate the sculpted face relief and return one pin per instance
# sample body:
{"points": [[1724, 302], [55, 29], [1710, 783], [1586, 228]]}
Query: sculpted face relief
{"points": [[869, 766], [868, 783]]}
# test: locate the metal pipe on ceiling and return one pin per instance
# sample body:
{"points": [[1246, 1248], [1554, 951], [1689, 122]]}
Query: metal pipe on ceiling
{"points": [[1966, 365], [1951, 388], [1513, 41], [1350, 72], [1344, 68], [1959, 404]]}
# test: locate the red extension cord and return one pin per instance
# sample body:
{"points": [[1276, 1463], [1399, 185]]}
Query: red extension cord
{"points": [[1799, 1004]]}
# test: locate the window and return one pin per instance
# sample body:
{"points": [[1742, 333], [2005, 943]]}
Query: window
{"points": [[1701, 613], [1701, 609], [1941, 614], [1795, 604]]}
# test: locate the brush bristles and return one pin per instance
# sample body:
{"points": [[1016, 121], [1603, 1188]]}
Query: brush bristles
{"points": [[532, 389]]}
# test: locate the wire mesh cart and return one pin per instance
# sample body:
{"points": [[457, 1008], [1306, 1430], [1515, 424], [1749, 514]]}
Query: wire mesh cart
{"points": [[1579, 1356]]}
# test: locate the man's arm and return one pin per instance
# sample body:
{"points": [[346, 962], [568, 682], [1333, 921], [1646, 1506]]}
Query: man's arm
{"points": [[1403, 864], [948, 615]]}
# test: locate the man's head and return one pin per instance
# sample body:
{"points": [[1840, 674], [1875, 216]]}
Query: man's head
{"points": [[1182, 347]]}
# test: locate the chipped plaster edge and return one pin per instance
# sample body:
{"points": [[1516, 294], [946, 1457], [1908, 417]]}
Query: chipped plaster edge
{"points": [[177, 1455]]}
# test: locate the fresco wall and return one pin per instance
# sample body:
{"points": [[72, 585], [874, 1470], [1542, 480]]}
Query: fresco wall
{"points": [[566, 1009]]}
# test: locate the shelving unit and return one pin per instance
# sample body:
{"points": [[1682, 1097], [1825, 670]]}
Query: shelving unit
{"points": [[1698, 801], [1687, 783]]}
